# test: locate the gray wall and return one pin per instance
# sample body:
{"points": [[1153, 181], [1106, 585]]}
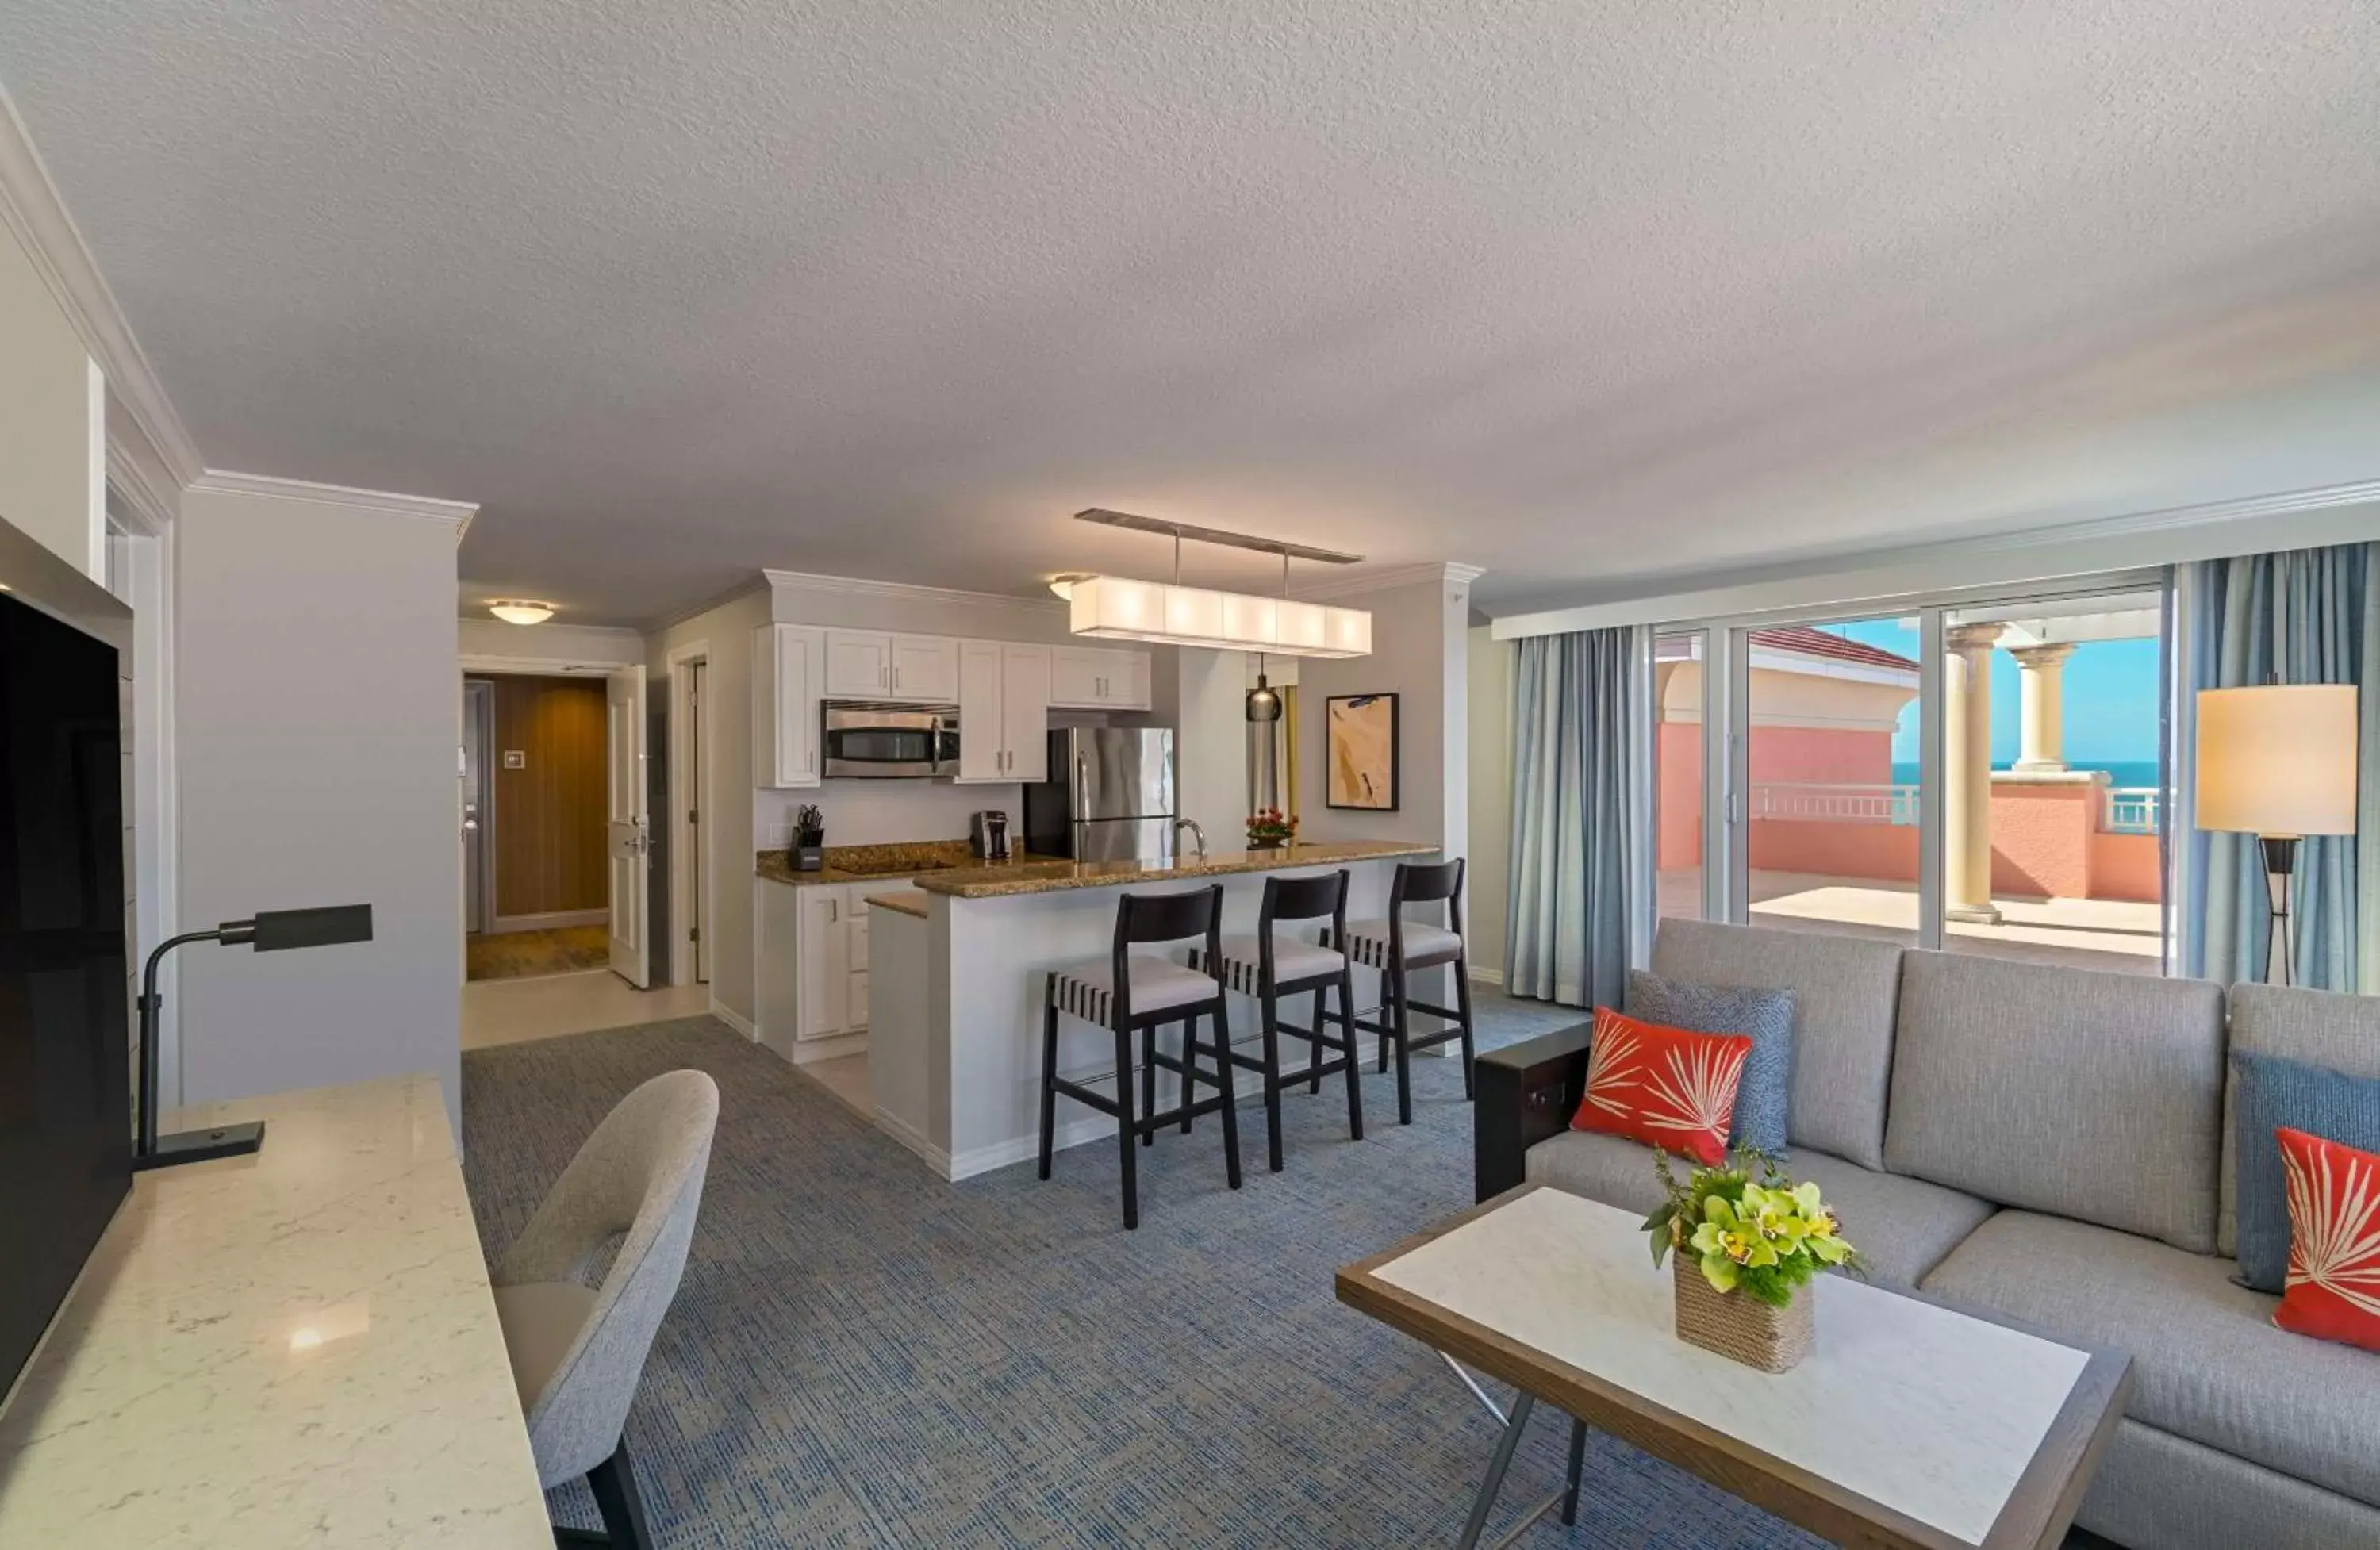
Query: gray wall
{"points": [[1419, 652], [51, 486], [316, 734]]}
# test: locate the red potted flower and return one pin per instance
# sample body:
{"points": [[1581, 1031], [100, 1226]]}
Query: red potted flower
{"points": [[1269, 829]]}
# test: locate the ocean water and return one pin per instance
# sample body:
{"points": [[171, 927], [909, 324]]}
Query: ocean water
{"points": [[2121, 772]]}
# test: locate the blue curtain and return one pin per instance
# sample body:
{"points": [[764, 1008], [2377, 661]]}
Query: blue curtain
{"points": [[2300, 616], [1581, 771]]}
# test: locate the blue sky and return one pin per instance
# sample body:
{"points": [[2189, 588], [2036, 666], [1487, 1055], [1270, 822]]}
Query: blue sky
{"points": [[2111, 698]]}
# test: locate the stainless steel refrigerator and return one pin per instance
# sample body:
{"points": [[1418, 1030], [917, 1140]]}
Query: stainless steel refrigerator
{"points": [[1109, 797]]}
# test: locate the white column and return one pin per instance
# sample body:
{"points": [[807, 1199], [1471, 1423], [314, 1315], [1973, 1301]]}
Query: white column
{"points": [[1967, 767], [2041, 698]]}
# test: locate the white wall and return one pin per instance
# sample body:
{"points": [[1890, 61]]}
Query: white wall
{"points": [[316, 727], [1491, 667], [53, 420], [1210, 741], [582, 644], [1420, 653]]}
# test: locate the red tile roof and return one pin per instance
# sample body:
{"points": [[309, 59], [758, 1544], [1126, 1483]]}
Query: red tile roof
{"points": [[1800, 640]]}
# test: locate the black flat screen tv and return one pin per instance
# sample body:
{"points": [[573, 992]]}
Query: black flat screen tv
{"points": [[66, 1121]]}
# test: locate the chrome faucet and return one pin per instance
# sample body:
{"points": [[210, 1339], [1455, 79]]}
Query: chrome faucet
{"points": [[1195, 834]]}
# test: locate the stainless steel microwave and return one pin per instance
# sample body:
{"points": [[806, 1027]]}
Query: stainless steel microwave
{"points": [[879, 740]]}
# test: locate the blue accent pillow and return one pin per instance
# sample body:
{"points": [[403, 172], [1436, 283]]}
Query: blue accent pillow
{"points": [[2268, 1092], [1766, 1017]]}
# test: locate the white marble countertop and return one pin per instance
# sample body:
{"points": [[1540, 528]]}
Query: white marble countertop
{"points": [[292, 1349]]}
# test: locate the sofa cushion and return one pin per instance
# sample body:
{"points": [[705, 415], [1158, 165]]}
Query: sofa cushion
{"points": [[1766, 1017], [2270, 1094], [2156, 1488], [1665, 1087], [2207, 1363], [2095, 1096], [1904, 1227], [2319, 1027], [1843, 994]]}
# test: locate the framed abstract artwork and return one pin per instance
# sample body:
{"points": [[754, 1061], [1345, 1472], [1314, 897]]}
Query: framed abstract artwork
{"points": [[1362, 751]]}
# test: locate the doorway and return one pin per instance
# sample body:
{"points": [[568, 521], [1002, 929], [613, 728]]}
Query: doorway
{"points": [[535, 793], [687, 803]]}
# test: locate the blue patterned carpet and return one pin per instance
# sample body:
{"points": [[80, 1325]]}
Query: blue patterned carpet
{"points": [[862, 1355]]}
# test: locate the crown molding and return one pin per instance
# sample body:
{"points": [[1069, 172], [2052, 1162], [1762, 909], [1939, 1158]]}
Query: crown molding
{"points": [[945, 597], [142, 496], [1394, 576], [661, 623], [382, 503], [1830, 575], [31, 210]]}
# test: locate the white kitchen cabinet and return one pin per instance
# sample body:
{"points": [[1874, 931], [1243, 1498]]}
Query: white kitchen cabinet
{"points": [[1004, 698], [822, 953], [866, 664], [1099, 678], [925, 667], [858, 665], [785, 662]]}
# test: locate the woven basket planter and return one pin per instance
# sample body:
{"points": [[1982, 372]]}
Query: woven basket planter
{"points": [[1739, 1327]]}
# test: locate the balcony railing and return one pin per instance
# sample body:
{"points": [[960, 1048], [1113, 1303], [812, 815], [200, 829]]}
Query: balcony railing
{"points": [[1814, 802], [2131, 810]]}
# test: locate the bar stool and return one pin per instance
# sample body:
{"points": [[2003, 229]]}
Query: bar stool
{"points": [[1398, 947], [1134, 992], [1268, 967]]}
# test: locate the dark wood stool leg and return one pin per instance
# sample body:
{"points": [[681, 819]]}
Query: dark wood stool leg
{"points": [[1387, 1014], [1462, 1009], [1402, 1022], [1354, 1067], [1314, 1046], [1231, 1098], [1124, 1129], [614, 1481], [1270, 1005], [1049, 1075], [1189, 1064], [1148, 1081]]}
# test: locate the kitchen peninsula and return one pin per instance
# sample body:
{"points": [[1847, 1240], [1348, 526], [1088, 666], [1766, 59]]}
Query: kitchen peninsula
{"points": [[961, 958]]}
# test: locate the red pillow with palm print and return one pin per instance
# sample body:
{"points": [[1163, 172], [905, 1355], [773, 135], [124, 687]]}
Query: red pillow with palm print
{"points": [[2333, 1292], [1667, 1087]]}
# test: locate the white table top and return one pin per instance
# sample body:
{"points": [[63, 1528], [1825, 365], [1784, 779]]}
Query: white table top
{"points": [[1918, 1407], [292, 1349]]}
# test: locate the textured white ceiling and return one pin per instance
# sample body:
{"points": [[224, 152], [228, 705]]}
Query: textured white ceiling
{"points": [[1576, 292]]}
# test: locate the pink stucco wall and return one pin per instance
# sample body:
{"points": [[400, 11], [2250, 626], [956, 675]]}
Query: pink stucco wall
{"points": [[1679, 751], [1826, 755], [2127, 866], [2041, 839], [1883, 851]]}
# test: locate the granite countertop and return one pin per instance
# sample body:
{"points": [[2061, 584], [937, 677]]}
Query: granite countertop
{"points": [[1037, 875], [862, 864], [297, 1346], [908, 901]]}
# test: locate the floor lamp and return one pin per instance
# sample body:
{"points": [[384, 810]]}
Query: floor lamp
{"points": [[2278, 761], [271, 931]]}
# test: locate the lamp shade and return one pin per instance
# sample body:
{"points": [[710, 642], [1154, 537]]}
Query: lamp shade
{"points": [[2277, 759]]}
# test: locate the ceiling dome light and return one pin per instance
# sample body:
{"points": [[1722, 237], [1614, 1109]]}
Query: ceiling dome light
{"points": [[518, 610], [1066, 582]]}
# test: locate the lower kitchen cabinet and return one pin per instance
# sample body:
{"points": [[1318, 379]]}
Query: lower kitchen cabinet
{"points": [[813, 969]]}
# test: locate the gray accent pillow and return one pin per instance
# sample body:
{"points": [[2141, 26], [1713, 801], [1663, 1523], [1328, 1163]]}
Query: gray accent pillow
{"points": [[1766, 1017], [2270, 1093]]}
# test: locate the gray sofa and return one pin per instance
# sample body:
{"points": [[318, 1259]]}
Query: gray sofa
{"points": [[2047, 1143]]}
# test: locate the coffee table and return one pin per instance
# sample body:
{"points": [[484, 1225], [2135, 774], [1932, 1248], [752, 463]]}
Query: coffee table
{"points": [[1913, 1425]]}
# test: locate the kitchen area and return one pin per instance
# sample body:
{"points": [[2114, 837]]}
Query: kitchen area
{"points": [[941, 819]]}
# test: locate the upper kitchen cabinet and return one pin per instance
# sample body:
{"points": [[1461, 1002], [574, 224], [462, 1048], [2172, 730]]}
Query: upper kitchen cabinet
{"points": [[1097, 678], [1004, 711], [786, 668], [866, 664]]}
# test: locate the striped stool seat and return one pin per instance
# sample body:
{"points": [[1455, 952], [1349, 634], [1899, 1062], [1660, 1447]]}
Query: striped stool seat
{"points": [[1368, 942], [1293, 963], [1087, 991]]}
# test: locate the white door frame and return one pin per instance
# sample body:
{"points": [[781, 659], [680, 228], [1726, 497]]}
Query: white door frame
{"points": [[629, 824], [684, 956]]}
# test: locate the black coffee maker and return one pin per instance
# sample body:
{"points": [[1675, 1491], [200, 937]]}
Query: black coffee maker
{"points": [[987, 835]]}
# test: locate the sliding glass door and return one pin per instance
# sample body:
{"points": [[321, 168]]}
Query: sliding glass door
{"points": [[1979, 772]]}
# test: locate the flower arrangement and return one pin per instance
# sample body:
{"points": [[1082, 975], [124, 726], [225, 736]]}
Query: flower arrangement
{"points": [[1269, 829], [1763, 1238]]}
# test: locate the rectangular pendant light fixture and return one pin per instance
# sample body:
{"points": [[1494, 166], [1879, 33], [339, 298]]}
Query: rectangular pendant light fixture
{"points": [[1113, 608]]}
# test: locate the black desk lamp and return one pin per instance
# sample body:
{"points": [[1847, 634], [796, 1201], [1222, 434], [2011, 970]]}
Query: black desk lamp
{"points": [[271, 931]]}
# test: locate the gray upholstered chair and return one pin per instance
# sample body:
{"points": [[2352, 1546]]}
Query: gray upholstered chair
{"points": [[578, 1350]]}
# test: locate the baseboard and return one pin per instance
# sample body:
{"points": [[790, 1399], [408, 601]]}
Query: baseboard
{"points": [[808, 1051], [735, 1020], [1007, 1154], [552, 920], [1480, 975], [933, 1155]]}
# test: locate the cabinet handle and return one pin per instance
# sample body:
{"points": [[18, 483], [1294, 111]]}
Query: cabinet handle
{"points": [[834, 911]]}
